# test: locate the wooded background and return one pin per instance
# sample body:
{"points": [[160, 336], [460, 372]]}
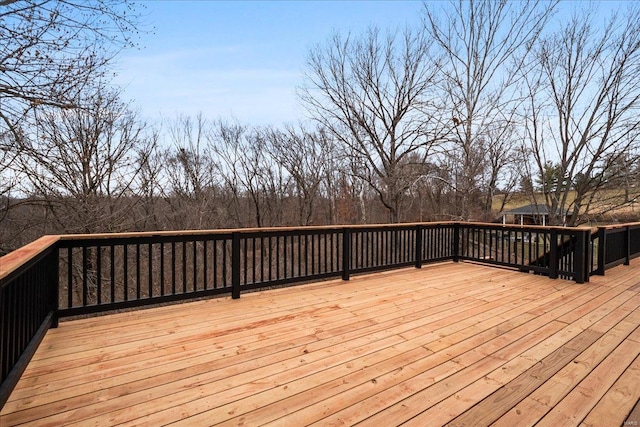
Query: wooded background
{"points": [[485, 105]]}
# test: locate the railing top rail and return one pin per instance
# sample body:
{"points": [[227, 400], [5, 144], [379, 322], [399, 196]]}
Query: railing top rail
{"points": [[240, 230], [16, 259], [617, 226], [519, 227], [293, 228]]}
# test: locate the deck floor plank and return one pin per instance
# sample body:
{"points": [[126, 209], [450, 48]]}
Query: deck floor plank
{"points": [[613, 407], [577, 404], [539, 402], [454, 343]]}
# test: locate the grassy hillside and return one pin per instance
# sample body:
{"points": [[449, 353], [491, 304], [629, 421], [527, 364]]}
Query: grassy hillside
{"points": [[608, 206]]}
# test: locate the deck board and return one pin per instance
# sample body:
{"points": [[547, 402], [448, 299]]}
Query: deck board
{"points": [[453, 343]]}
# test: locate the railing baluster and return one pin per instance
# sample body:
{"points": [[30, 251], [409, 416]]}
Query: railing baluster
{"points": [[406, 246], [150, 278], [306, 254], [418, 257], [253, 258], [324, 257], [137, 271], [278, 257], [112, 272], [99, 274], [70, 277], [553, 254], [184, 266], [84, 275], [285, 264], [161, 268], [346, 253], [215, 262], [125, 268], [195, 264], [299, 255], [331, 246], [173, 268], [270, 259], [205, 262], [314, 255], [235, 265], [366, 243], [262, 257], [224, 263]]}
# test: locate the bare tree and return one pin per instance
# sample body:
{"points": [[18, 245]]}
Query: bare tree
{"points": [[334, 184], [485, 45], [377, 95], [582, 111], [150, 187], [306, 156], [50, 50], [249, 173], [8, 179], [190, 174], [81, 164]]}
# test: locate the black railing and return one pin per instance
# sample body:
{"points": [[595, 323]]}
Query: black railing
{"points": [[615, 245], [28, 308], [99, 274], [76, 275], [555, 252], [106, 273]]}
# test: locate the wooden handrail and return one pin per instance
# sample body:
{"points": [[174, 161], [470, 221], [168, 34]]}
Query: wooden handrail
{"points": [[136, 234], [13, 260], [615, 226]]}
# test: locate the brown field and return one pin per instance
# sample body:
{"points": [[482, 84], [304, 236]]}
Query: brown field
{"points": [[606, 209]]}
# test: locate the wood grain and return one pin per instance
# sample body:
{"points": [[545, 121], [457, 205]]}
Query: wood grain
{"points": [[13, 260], [451, 343]]}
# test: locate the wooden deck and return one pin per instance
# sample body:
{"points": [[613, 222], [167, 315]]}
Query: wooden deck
{"points": [[452, 343]]}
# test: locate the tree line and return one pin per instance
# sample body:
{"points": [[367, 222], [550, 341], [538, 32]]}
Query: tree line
{"points": [[441, 122]]}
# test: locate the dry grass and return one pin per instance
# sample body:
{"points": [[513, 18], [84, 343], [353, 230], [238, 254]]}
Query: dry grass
{"points": [[605, 208]]}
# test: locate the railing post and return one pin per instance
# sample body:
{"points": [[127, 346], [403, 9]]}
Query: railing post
{"points": [[588, 255], [456, 242], [54, 286], [602, 246], [581, 256], [627, 245], [418, 246], [346, 253], [553, 255], [235, 265]]}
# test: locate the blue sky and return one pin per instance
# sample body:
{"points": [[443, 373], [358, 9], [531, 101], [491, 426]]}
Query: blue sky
{"points": [[244, 59], [239, 59]]}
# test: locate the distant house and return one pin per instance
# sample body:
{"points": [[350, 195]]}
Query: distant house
{"points": [[532, 214]]}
